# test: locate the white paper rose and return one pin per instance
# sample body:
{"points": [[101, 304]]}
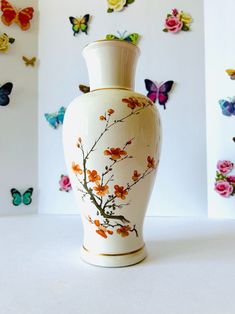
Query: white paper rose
{"points": [[116, 5], [4, 43]]}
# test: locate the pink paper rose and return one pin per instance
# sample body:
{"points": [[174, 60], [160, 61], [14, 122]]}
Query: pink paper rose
{"points": [[64, 183], [173, 24], [231, 179], [175, 12], [224, 166], [223, 188]]}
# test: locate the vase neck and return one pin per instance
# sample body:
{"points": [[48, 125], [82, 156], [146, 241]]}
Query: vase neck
{"points": [[111, 64]]}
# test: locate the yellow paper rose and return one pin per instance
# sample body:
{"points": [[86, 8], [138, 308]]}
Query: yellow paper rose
{"points": [[116, 5], [185, 17], [4, 43]]}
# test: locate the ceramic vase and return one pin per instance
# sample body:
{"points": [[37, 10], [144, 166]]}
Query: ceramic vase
{"points": [[111, 139]]}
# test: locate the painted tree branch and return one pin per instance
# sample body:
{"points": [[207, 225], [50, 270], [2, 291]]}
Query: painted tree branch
{"points": [[107, 127], [107, 204], [93, 197]]}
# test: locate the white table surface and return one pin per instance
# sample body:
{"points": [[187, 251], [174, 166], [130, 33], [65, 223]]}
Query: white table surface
{"points": [[190, 269]]}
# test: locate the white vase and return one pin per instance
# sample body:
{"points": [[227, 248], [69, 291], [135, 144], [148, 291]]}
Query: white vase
{"points": [[111, 140]]}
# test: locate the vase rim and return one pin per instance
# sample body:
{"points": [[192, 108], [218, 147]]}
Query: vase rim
{"points": [[116, 41]]}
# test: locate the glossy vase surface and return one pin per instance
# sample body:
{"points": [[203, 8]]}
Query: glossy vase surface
{"points": [[111, 139]]}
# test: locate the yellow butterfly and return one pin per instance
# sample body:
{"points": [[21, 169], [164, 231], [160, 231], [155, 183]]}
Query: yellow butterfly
{"points": [[231, 73], [79, 23], [29, 61]]}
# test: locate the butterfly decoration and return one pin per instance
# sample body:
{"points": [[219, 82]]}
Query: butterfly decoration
{"points": [[234, 138], [84, 89], [11, 15], [19, 198], [56, 118], [131, 38], [28, 61], [228, 107], [231, 73], [79, 23], [5, 91], [158, 92]]}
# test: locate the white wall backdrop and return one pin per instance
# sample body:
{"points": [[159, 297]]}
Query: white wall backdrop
{"points": [[18, 120], [180, 188], [220, 49]]}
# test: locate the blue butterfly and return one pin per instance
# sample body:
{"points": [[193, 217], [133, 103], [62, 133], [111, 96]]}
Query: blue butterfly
{"points": [[5, 91], [55, 118], [19, 198], [228, 107]]}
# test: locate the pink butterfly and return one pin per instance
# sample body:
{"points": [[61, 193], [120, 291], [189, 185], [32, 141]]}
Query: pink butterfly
{"points": [[158, 91]]}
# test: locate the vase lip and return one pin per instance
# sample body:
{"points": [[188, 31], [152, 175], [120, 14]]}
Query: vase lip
{"points": [[111, 41]]}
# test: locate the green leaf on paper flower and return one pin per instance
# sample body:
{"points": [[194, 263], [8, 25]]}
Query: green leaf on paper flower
{"points": [[130, 1], [168, 15], [109, 10], [11, 40], [165, 30], [219, 176], [185, 28]]}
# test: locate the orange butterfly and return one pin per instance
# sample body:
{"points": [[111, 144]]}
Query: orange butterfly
{"points": [[10, 15]]}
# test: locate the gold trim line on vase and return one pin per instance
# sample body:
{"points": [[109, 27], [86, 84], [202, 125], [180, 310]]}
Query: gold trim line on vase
{"points": [[107, 88], [118, 254], [111, 40]]}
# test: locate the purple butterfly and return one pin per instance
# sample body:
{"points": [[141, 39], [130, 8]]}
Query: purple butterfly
{"points": [[228, 107], [158, 91]]}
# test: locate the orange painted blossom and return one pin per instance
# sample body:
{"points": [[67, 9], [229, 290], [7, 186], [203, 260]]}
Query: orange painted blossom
{"points": [[101, 190], [120, 191], [93, 176], [115, 153], [76, 168]]}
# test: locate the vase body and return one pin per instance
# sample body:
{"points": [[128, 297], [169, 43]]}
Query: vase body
{"points": [[111, 139]]}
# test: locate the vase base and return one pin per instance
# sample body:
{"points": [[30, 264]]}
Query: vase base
{"points": [[113, 260]]}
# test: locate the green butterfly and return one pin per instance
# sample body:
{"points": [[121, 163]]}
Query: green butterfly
{"points": [[79, 24], [132, 38], [18, 198]]}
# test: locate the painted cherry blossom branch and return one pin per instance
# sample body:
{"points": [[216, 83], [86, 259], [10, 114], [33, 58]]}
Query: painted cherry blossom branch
{"points": [[129, 186], [107, 224], [92, 195], [91, 176], [107, 126]]}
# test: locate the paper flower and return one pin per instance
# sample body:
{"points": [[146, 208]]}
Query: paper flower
{"points": [[224, 185], [5, 42], [177, 21], [224, 188], [224, 166], [117, 5], [65, 184]]}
